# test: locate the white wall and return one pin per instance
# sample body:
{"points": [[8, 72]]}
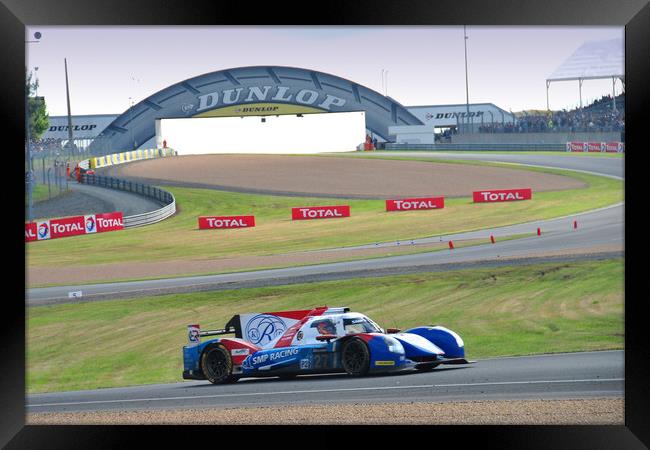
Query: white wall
{"points": [[413, 134], [311, 133]]}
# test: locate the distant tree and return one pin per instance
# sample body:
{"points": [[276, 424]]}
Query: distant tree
{"points": [[39, 119]]}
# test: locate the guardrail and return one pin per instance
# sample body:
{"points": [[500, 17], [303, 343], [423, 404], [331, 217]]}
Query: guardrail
{"points": [[165, 198], [476, 147]]}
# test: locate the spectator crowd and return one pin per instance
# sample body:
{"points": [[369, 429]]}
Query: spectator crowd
{"points": [[598, 116]]}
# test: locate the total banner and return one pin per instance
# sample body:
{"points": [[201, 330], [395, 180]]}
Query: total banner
{"points": [[220, 222], [614, 147], [595, 147], [73, 226], [409, 204], [502, 195], [575, 147], [31, 230], [320, 212], [67, 226]]}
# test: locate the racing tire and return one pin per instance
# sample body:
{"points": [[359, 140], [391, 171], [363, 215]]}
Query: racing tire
{"points": [[355, 357], [216, 364]]}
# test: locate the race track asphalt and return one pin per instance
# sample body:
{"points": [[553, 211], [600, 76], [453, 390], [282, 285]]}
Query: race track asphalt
{"points": [[556, 376]]}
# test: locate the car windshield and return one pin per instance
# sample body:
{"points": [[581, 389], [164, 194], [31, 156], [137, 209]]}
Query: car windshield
{"points": [[359, 325]]}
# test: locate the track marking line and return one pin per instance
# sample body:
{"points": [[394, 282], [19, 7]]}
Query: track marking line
{"points": [[318, 391]]}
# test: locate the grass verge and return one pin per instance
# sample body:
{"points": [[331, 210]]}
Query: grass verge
{"points": [[542, 308], [178, 238], [41, 193]]}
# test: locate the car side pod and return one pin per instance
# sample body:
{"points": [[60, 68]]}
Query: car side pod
{"points": [[448, 341]]}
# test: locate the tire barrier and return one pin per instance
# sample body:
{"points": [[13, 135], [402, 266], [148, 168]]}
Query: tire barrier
{"points": [[124, 157], [163, 197]]}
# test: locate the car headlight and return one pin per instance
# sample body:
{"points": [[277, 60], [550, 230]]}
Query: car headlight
{"points": [[394, 346]]}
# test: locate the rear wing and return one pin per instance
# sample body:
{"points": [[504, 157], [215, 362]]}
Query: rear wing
{"points": [[217, 332], [260, 328]]}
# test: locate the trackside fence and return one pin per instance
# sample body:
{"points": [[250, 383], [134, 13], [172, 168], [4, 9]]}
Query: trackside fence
{"points": [[475, 147], [163, 197]]}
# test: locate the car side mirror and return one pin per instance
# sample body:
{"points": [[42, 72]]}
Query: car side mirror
{"points": [[325, 337], [392, 330]]}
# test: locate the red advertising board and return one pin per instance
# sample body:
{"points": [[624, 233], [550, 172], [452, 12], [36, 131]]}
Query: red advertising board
{"points": [[614, 147], [320, 212], [67, 226], [30, 232], [575, 146], [219, 222], [593, 147], [409, 204], [73, 226], [109, 222], [502, 195]]}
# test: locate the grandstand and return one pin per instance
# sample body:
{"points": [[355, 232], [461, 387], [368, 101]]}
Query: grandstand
{"points": [[599, 116]]}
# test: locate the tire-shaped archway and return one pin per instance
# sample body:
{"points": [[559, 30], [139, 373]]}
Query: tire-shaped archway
{"points": [[258, 90]]}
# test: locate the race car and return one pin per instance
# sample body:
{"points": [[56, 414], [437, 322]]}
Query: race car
{"points": [[322, 340]]}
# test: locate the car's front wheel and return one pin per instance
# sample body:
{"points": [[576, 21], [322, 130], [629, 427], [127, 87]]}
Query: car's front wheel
{"points": [[355, 357], [217, 364]]}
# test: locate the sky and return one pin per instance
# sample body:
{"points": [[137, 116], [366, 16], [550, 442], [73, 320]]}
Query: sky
{"points": [[109, 67]]}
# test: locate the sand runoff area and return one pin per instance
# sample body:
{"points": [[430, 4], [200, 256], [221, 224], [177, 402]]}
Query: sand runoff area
{"points": [[342, 177]]}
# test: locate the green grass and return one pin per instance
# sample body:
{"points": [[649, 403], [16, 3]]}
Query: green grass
{"points": [[40, 193], [543, 308], [178, 238]]}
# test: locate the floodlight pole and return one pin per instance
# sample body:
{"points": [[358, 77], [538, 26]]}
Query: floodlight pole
{"points": [[466, 76], [580, 92], [67, 95]]}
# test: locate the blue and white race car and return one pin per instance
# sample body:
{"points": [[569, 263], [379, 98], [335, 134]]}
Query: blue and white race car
{"points": [[323, 340]]}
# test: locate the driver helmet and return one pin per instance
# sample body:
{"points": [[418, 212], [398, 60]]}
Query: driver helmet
{"points": [[324, 326]]}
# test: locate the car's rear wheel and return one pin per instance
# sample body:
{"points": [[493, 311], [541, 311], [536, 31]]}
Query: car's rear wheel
{"points": [[355, 357], [217, 364]]}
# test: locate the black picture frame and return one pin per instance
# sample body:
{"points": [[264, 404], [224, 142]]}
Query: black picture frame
{"points": [[634, 15]]}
